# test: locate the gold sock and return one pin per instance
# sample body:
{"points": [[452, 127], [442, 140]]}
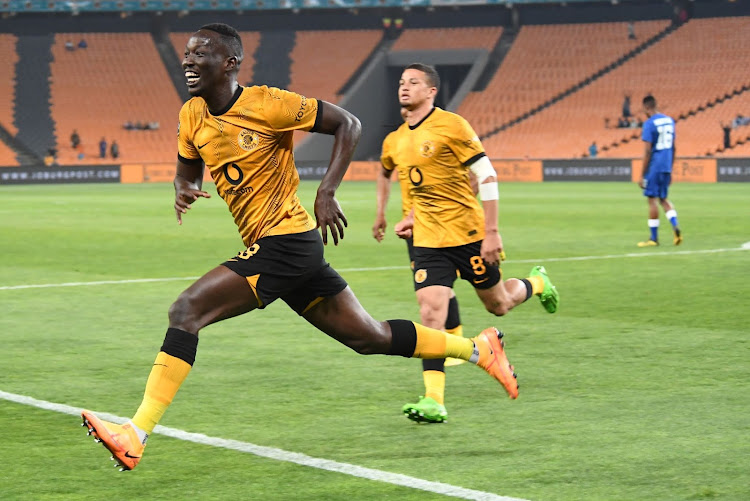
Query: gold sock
{"points": [[432, 343], [537, 284], [456, 331], [434, 385], [165, 379]]}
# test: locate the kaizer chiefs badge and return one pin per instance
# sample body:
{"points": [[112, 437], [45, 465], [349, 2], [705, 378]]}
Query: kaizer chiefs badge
{"points": [[248, 139], [420, 275], [427, 149]]}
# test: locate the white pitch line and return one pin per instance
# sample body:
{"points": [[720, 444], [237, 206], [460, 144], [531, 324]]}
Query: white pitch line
{"points": [[280, 454], [745, 246]]}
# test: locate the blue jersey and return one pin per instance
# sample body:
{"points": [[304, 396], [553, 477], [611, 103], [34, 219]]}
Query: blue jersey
{"points": [[658, 130]]}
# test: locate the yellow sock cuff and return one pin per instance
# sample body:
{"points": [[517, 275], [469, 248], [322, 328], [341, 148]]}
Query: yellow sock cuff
{"points": [[430, 342], [537, 284], [456, 331], [434, 384], [165, 379]]}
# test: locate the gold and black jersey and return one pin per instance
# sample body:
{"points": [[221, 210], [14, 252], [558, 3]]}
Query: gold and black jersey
{"points": [[406, 202], [247, 147], [432, 159]]}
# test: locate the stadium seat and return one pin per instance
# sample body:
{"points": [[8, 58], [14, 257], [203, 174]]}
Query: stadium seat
{"points": [[116, 86], [7, 80]]}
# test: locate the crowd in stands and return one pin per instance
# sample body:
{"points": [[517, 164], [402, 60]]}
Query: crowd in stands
{"points": [[81, 45], [140, 125], [75, 143]]}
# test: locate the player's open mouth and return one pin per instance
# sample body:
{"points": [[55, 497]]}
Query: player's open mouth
{"points": [[192, 78]]}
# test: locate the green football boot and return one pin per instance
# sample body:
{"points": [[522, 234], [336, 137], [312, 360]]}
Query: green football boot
{"points": [[427, 410], [549, 297]]}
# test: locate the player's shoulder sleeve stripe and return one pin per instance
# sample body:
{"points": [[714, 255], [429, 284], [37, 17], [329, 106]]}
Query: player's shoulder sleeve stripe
{"points": [[318, 115], [190, 161], [475, 158]]}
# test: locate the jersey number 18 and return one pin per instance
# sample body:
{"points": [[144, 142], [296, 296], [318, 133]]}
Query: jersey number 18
{"points": [[666, 136]]}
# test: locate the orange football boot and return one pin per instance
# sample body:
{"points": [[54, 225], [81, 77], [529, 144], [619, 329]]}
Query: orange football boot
{"points": [[493, 360], [121, 440]]}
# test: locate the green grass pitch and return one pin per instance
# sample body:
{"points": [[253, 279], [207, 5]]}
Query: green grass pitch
{"points": [[636, 389]]}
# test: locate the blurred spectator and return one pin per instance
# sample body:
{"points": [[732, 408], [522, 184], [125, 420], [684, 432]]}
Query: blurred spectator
{"points": [[140, 125], [631, 31], [75, 139], [739, 121], [102, 148], [593, 150], [114, 149], [82, 44], [727, 134], [626, 106], [50, 158], [69, 46], [622, 123], [635, 123], [606, 123]]}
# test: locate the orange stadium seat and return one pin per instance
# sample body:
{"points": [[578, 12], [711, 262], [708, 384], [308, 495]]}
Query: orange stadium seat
{"points": [[119, 77], [7, 81], [250, 42], [546, 60], [7, 156], [340, 52], [700, 61], [448, 38]]}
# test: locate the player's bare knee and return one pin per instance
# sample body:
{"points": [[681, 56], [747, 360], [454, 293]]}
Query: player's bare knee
{"points": [[428, 314], [181, 314], [373, 342]]}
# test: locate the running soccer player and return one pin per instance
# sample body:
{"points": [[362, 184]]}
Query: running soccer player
{"points": [[244, 136], [433, 152], [658, 135], [430, 407]]}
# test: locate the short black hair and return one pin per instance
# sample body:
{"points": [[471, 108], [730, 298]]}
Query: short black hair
{"points": [[229, 37], [432, 75], [649, 101]]}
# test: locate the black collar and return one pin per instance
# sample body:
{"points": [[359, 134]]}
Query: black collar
{"points": [[231, 102], [412, 127]]}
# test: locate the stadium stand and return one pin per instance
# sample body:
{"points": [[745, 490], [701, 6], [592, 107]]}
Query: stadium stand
{"points": [[695, 64], [544, 61], [322, 61], [7, 156], [118, 78], [448, 38], [339, 52], [7, 81], [250, 42]]}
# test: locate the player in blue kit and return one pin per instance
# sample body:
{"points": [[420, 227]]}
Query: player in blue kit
{"points": [[659, 135]]}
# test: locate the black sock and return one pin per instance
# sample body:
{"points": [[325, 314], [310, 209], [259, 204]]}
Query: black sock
{"points": [[529, 288], [403, 338], [181, 344]]}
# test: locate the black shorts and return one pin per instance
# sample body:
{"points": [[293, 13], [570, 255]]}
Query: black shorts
{"points": [[290, 267], [438, 266]]}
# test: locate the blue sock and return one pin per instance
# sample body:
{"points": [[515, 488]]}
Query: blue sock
{"points": [[672, 216], [653, 225]]}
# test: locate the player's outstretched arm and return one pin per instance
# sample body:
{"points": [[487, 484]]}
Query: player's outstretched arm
{"points": [[346, 130], [187, 187]]}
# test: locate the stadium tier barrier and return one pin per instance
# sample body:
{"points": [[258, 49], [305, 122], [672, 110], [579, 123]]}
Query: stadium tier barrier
{"points": [[686, 170]]}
